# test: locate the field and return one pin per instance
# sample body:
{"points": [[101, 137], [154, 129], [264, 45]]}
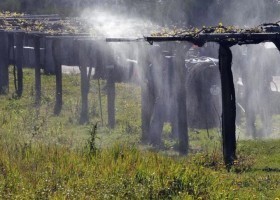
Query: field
{"points": [[43, 156]]}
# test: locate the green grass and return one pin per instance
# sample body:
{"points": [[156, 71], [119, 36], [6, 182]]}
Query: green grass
{"points": [[43, 156]]}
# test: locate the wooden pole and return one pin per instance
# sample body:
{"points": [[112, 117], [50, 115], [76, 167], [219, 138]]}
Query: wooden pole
{"points": [[84, 81], [84, 95], [56, 49], [228, 106], [157, 122], [147, 91], [145, 112], [19, 37], [156, 90], [4, 63], [37, 70], [181, 98], [111, 96]]}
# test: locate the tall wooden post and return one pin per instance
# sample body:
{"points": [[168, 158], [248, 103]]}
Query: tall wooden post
{"points": [[56, 50], [4, 63], [82, 47], [147, 103], [172, 91], [37, 70], [156, 96], [111, 96], [147, 90], [228, 105], [157, 121], [181, 98], [19, 37]]}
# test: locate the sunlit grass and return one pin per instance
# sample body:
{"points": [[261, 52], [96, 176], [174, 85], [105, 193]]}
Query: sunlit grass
{"points": [[43, 156]]}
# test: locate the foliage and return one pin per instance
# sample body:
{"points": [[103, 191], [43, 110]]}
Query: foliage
{"points": [[49, 26], [92, 139], [162, 12]]}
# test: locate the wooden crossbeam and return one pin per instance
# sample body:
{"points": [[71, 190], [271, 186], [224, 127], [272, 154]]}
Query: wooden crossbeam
{"points": [[229, 39], [50, 16]]}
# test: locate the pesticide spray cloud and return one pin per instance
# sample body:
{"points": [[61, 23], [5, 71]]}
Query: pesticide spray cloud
{"points": [[123, 20], [256, 65], [108, 24], [118, 22], [113, 24]]}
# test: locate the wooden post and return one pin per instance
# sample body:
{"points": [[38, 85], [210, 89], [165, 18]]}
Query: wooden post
{"points": [[82, 47], [228, 106], [157, 122], [56, 49], [37, 70], [111, 96], [146, 105], [4, 63], [19, 37], [84, 95], [181, 98], [147, 91], [158, 109], [171, 86]]}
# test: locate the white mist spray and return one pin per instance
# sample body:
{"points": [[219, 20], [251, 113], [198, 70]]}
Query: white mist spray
{"points": [[126, 21], [256, 65]]}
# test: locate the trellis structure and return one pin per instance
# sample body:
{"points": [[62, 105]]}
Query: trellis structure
{"points": [[226, 38], [264, 33], [52, 41], [85, 50]]}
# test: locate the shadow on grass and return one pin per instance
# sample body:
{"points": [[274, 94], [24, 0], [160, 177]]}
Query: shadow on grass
{"points": [[269, 169], [265, 169]]}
